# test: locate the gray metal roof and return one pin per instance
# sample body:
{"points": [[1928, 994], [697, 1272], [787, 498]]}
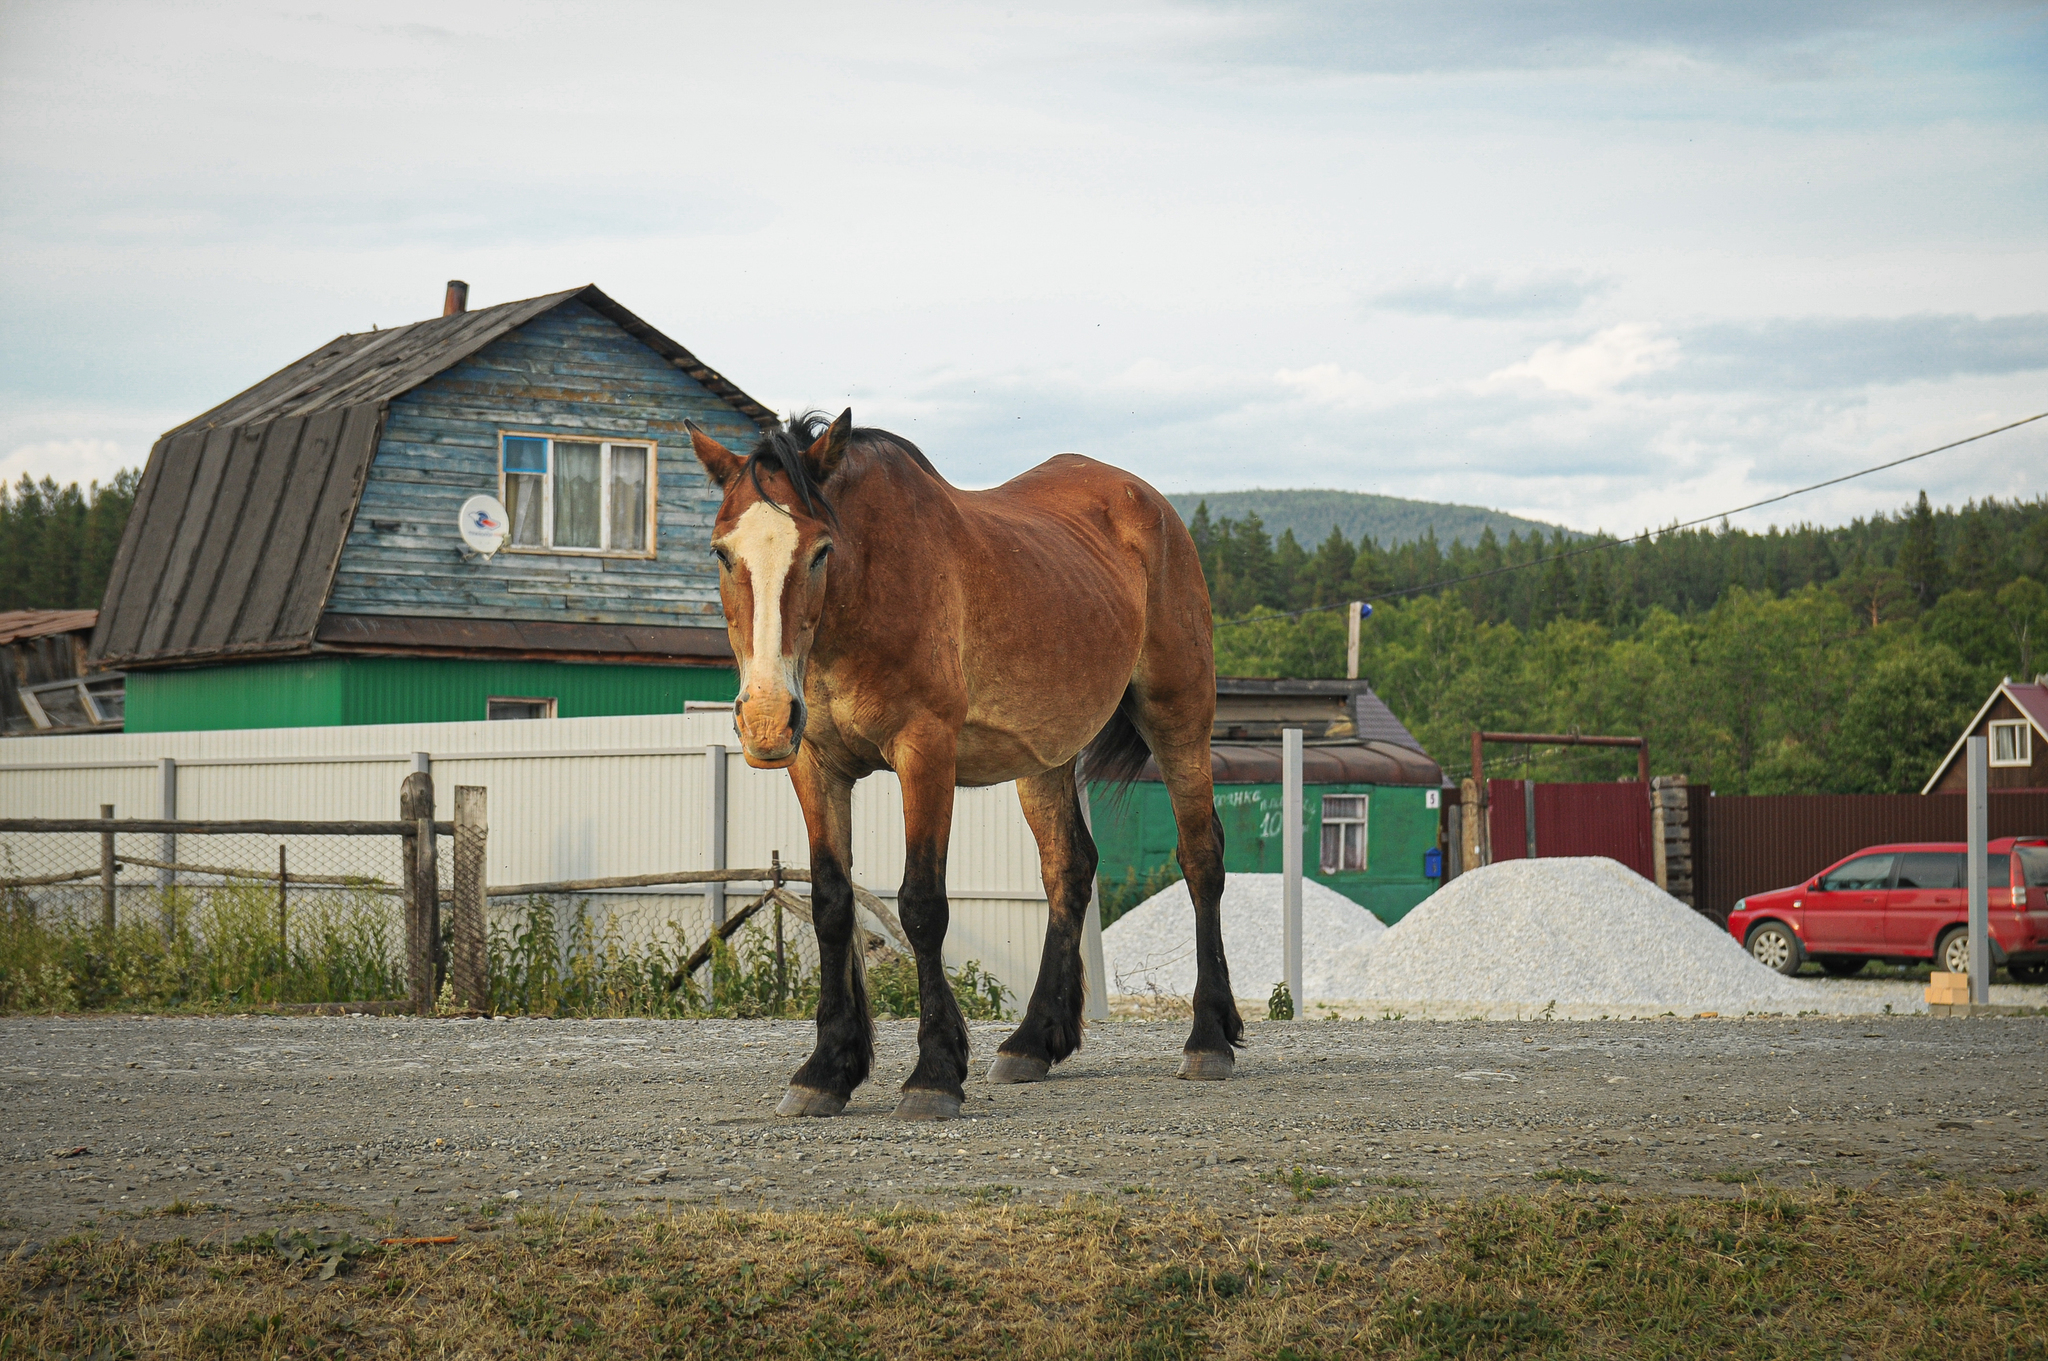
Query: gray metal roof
{"points": [[242, 511], [372, 367], [1322, 763]]}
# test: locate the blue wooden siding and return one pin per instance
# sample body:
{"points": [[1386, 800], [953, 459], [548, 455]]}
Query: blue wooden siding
{"points": [[572, 373]]}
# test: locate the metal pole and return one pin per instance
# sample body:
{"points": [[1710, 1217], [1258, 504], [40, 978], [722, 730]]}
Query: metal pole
{"points": [[1097, 1004], [283, 939], [1352, 614], [1529, 816], [1980, 903], [1290, 861], [167, 844], [714, 894], [107, 871]]}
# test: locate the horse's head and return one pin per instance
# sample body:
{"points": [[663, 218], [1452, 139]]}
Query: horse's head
{"points": [[773, 539]]}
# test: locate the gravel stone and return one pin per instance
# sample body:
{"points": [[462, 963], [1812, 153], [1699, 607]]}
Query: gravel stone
{"points": [[1581, 930]]}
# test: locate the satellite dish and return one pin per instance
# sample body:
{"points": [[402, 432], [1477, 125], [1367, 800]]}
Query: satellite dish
{"points": [[483, 523]]}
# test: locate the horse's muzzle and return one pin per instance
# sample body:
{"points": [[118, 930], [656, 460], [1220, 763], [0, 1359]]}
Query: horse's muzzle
{"points": [[770, 745]]}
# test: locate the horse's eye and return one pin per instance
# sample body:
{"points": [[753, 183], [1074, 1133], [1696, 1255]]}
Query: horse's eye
{"points": [[818, 559], [724, 558]]}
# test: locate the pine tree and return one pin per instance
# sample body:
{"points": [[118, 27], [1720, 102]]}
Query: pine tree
{"points": [[1920, 563]]}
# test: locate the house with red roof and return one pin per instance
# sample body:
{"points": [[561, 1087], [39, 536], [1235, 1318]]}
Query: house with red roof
{"points": [[2015, 719]]}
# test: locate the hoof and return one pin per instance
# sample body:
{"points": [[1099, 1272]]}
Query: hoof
{"points": [[804, 1101], [919, 1104], [1018, 1068], [1207, 1067]]}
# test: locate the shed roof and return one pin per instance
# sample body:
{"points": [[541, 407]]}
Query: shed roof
{"points": [[242, 511], [1321, 763], [17, 624]]}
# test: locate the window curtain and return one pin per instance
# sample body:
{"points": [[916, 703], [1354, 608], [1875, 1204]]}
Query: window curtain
{"points": [[629, 499], [579, 495]]}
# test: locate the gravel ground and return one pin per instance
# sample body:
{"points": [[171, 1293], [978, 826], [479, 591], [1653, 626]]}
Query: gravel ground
{"points": [[380, 1125]]}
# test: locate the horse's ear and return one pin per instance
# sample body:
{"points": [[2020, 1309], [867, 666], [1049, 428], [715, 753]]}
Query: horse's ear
{"points": [[823, 456], [721, 463]]}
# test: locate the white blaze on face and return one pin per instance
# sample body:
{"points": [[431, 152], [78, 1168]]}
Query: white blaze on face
{"points": [[765, 539]]}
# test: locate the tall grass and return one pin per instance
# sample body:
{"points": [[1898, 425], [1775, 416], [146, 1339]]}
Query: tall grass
{"points": [[200, 947], [217, 947]]}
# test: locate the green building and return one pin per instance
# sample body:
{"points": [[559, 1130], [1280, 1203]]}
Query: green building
{"points": [[1371, 797], [293, 559]]}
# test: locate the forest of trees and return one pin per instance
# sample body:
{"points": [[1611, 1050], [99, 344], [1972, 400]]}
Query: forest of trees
{"points": [[1810, 660], [57, 544]]}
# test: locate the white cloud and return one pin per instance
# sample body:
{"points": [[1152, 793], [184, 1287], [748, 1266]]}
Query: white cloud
{"points": [[1595, 367]]}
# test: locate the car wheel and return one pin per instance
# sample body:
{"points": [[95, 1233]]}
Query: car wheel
{"points": [[1775, 947], [1952, 954], [2034, 972], [1843, 966]]}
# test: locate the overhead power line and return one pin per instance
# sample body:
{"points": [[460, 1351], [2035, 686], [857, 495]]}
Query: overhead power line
{"points": [[1606, 544]]}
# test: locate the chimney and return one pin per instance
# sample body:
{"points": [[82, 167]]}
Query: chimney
{"points": [[457, 299]]}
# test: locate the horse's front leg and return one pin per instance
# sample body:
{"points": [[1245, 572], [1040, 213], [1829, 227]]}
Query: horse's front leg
{"points": [[845, 1051], [923, 760]]}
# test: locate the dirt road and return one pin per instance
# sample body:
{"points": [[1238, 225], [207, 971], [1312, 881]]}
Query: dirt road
{"points": [[375, 1124]]}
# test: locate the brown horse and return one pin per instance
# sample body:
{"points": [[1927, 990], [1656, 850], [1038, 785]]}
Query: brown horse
{"points": [[883, 619]]}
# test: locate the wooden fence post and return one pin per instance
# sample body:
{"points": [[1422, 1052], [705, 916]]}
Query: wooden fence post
{"points": [[423, 891], [107, 871], [470, 967]]}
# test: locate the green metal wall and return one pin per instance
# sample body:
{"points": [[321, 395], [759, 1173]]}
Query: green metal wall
{"points": [[1134, 830], [319, 692]]}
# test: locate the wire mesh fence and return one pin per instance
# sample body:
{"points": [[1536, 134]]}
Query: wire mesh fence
{"points": [[192, 915], [140, 914], [195, 915]]}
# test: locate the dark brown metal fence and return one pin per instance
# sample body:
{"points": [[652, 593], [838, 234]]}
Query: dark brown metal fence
{"points": [[1610, 819], [1754, 843]]}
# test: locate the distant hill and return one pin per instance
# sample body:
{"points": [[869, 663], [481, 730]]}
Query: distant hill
{"points": [[1389, 519]]}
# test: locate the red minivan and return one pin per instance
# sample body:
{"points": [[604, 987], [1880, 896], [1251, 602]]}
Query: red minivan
{"points": [[1904, 903]]}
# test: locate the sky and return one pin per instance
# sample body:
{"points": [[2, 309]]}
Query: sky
{"points": [[1604, 264]]}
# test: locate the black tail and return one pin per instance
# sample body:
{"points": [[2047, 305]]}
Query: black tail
{"points": [[1118, 754]]}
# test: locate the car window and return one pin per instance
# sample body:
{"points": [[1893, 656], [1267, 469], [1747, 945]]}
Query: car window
{"points": [[2034, 860], [1864, 873], [1931, 869], [1997, 871]]}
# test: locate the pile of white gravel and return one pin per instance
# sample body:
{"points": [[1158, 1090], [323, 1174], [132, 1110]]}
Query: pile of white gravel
{"points": [[1578, 931], [1151, 948]]}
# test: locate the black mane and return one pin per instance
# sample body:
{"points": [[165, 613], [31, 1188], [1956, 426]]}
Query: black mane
{"points": [[784, 446]]}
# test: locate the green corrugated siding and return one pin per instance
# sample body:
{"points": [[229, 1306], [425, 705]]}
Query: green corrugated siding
{"points": [[330, 691], [1135, 830]]}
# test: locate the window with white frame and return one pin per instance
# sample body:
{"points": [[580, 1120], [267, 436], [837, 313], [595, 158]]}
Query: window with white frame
{"points": [[2012, 743], [499, 708], [578, 495], [1343, 832]]}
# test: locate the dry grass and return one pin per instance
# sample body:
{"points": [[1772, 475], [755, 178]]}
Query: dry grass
{"points": [[1961, 1274]]}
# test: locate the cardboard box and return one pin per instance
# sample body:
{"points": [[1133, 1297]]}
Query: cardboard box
{"points": [[1944, 989]]}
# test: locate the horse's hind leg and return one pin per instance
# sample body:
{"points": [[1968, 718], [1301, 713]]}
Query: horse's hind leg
{"points": [[1184, 764], [845, 1050], [1051, 1028]]}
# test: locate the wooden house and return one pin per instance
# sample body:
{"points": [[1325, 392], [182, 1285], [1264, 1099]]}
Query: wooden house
{"points": [[45, 686], [2015, 719], [293, 556]]}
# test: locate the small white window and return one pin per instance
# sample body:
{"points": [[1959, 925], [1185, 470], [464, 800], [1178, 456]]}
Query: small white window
{"points": [[503, 707], [2012, 743], [577, 496], [1343, 832]]}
